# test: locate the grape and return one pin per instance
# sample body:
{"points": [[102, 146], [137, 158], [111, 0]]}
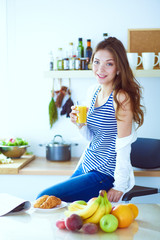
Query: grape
{"points": [[61, 224], [90, 228]]}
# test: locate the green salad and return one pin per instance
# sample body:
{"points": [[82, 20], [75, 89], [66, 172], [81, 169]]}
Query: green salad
{"points": [[14, 142]]}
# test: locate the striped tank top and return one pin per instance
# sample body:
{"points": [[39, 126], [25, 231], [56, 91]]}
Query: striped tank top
{"points": [[100, 154]]}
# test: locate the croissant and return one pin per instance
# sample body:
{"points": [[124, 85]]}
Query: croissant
{"points": [[47, 202], [40, 200]]}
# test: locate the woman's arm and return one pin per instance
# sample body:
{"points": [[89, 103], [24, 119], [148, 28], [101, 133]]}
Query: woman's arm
{"points": [[123, 166]]}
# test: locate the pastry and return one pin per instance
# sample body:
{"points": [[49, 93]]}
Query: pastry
{"points": [[47, 202], [51, 202], [40, 200]]}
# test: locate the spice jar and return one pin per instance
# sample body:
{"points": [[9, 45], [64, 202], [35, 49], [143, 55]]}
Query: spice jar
{"points": [[83, 63], [77, 63]]}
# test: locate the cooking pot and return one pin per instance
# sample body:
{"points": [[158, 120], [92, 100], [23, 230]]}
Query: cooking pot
{"points": [[58, 150]]}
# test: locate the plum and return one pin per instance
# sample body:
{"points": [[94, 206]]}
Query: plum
{"points": [[61, 224], [74, 222], [90, 228]]}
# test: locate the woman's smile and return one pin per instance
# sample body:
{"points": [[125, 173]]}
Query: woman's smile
{"points": [[101, 76]]}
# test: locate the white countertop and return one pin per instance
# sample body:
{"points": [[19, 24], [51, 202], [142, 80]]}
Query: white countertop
{"points": [[32, 225]]}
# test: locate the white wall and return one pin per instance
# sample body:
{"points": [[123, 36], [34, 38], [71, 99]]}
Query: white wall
{"points": [[34, 27]]}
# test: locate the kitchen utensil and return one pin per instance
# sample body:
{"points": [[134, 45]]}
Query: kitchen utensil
{"points": [[133, 60], [159, 58], [13, 151], [53, 115], [58, 150], [16, 165], [148, 59]]}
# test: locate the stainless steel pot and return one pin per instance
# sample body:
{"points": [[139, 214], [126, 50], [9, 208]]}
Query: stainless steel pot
{"points": [[58, 150]]}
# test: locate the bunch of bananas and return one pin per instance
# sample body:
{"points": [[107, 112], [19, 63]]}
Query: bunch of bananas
{"points": [[91, 212]]}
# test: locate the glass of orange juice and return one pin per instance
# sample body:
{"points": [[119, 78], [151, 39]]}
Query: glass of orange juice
{"points": [[82, 115]]}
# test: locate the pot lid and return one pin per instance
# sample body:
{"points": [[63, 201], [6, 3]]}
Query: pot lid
{"points": [[57, 143]]}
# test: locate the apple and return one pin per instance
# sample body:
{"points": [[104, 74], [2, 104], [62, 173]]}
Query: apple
{"points": [[74, 222], [108, 223]]}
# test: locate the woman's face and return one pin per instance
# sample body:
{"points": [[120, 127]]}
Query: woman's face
{"points": [[104, 67]]}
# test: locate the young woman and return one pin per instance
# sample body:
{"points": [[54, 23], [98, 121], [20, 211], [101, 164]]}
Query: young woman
{"points": [[115, 107]]}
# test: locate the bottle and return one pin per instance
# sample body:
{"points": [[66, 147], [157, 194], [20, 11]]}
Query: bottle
{"points": [[66, 62], [105, 36], [77, 65], [88, 54], [71, 50], [83, 63], [51, 61], [60, 59], [71, 56], [80, 48]]}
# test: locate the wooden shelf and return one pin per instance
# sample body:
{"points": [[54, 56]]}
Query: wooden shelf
{"points": [[147, 73], [69, 74], [89, 73]]}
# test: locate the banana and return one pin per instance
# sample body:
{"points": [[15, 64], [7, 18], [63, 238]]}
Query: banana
{"points": [[107, 203], [99, 213], [87, 211], [75, 206]]}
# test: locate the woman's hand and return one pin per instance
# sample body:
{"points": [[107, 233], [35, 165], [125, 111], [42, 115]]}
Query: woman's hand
{"points": [[73, 114], [114, 195], [73, 117]]}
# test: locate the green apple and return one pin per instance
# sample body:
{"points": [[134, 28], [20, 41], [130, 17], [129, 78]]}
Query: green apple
{"points": [[108, 223]]}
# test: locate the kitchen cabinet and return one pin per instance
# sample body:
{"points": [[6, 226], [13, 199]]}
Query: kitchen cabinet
{"points": [[89, 74]]}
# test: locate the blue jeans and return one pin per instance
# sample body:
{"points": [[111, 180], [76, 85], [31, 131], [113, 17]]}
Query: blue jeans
{"points": [[80, 186]]}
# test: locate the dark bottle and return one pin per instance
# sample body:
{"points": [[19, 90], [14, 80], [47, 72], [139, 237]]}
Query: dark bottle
{"points": [[88, 53], [80, 48]]}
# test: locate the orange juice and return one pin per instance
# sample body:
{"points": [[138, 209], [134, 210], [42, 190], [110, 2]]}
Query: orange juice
{"points": [[82, 115]]}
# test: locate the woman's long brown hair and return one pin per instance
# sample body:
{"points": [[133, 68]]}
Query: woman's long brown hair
{"points": [[125, 80]]}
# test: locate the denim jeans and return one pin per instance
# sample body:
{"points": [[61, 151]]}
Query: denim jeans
{"points": [[80, 186]]}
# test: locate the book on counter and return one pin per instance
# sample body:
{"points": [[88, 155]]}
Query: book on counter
{"points": [[10, 204]]}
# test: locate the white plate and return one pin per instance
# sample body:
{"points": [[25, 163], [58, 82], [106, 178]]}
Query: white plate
{"points": [[62, 205]]}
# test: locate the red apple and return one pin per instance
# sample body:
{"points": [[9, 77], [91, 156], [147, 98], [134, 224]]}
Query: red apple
{"points": [[73, 222]]}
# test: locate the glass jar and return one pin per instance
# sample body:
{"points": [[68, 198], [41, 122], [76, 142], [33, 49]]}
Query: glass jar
{"points": [[83, 62]]}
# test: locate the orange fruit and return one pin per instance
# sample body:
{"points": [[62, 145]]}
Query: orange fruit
{"points": [[134, 209], [124, 214]]}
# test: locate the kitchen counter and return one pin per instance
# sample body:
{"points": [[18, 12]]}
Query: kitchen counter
{"points": [[35, 225], [41, 166]]}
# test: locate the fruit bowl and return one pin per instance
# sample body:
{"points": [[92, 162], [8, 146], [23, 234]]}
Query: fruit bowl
{"points": [[13, 151]]}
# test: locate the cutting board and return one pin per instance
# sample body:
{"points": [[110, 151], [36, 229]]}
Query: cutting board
{"points": [[13, 168]]}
